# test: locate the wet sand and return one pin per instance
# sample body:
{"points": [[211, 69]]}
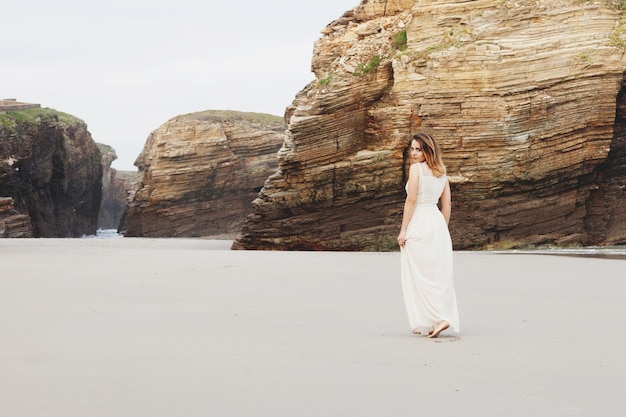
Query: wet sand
{"points": [[164, 327]]}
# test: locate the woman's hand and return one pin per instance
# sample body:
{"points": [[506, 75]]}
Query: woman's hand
{"points": [[401, 239]]}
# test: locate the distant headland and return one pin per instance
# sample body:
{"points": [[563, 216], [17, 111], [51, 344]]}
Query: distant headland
{"points": [[11, 104]]}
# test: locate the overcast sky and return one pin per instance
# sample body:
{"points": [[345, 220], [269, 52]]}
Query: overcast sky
{"points": [[127, 66]]}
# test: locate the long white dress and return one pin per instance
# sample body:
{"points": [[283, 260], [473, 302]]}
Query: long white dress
{"points": [[426, 260]]}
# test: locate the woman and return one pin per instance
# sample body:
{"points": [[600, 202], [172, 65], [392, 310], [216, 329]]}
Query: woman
{"points": [[425, 244]]}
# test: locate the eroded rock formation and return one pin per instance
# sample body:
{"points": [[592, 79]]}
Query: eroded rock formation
{"points": [[522, 95], [50, 169], [116, 186], [12, 223], [200, 173]]}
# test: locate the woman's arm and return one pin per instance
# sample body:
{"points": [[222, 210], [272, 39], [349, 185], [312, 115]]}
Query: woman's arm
{"points": [[409, 203], [446, 202]]}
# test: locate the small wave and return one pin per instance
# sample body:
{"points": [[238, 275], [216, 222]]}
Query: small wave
{"points": [[615, 252], [105, 234]]}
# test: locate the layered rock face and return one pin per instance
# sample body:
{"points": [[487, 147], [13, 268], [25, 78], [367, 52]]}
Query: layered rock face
{"points": [[50, 168], [200, 173], [116, 185], [521, 95], [12, 223], [606, 218]]}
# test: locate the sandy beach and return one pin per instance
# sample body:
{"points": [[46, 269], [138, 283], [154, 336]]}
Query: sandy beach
{"points": [[186, 327]]}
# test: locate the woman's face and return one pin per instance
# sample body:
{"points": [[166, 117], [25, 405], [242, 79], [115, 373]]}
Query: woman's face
{"points": [[417, 155]]}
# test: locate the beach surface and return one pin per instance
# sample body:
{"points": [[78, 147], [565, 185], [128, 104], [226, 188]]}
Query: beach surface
{"points": [[186, 327]]}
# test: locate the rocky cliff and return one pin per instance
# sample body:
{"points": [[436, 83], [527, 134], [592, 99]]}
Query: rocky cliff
{"points": [[116, 185], [200, 173], [50, 169], [12, 223], [525, 97]]}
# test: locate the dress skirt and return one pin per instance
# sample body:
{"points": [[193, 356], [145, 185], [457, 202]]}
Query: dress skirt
{"points": [[427, 271]]}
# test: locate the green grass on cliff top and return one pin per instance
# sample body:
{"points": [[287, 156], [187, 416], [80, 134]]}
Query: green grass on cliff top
{"points": [[221, 115], [34, 116], [105, 148], [130, 176]]}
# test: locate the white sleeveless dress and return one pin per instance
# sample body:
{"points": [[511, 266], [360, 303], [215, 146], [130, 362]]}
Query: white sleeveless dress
{"points": [[426, 260]]}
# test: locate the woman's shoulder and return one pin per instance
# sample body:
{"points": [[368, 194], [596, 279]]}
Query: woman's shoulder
{"points": [[420, 165], [415, 168]]}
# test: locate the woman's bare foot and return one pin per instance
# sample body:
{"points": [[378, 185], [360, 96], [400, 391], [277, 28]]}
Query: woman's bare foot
{"points": [[440, 327], [419, 332]]}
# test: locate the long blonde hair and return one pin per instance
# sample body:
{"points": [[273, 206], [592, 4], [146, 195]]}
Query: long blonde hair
{"points": [[432, 153]]}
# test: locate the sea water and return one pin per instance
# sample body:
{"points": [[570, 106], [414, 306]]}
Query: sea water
{"points": [[617, 252], [105, 234]]}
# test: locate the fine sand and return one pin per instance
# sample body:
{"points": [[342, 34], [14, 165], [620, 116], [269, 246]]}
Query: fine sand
{"points": [[181, 328]]}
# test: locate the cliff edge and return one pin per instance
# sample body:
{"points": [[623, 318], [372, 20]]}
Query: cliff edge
{"points": [[116, 186], [199, 174], [525, 97], [50, 169]]}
